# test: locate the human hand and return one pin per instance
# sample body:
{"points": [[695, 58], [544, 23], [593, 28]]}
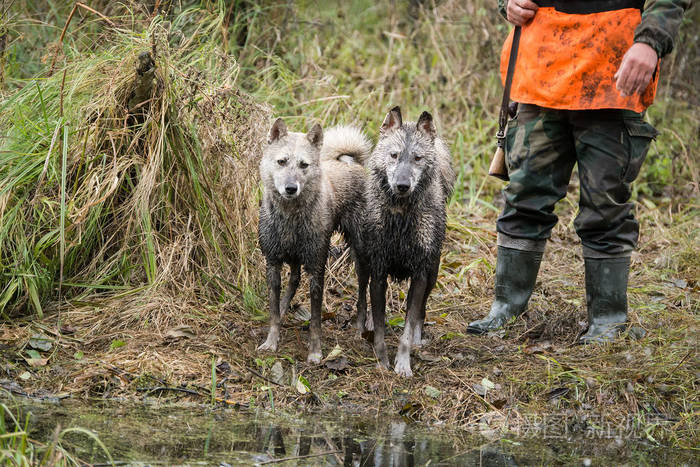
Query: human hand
{"points": [[637, 68], [520, 12]]}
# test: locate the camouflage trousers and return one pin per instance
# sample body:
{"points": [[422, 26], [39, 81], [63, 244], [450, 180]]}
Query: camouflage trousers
{"points": [[542, 146]]}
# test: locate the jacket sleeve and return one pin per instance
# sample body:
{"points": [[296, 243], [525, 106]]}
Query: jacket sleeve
{"points": [[660, 23], [502, 8]]}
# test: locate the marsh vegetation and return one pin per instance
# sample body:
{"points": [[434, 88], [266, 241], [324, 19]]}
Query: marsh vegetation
{"points": [[129, 263]]}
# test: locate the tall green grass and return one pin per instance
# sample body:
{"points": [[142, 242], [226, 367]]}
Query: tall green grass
{"points": [[99, 191]]}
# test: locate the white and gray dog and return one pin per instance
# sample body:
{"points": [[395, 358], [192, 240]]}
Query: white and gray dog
{"points": [[313, 185]]}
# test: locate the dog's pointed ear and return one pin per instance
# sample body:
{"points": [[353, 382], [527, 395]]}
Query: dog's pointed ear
{"points": [[425, 125], [392, 121], [278, 131], [315, 136]]}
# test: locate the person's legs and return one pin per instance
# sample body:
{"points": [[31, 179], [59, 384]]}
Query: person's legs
{"points": [[610, 147], [540, 156]]}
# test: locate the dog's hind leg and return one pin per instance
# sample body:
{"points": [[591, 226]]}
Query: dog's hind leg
{"points": [[294, 278], [316, 302], [418, 324], [377, 295], [416, 292], [364, 321], [274, 285]]}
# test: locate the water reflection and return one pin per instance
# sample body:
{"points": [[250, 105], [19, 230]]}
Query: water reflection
{"points": [[394, 445], [177, 435]]}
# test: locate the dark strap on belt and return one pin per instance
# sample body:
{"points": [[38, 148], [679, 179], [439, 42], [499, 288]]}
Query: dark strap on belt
{"points": [[584, 7], [503, 114]]}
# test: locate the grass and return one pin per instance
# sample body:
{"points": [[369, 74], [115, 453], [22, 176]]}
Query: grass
{"points": [[17, 448], [138, 223]]}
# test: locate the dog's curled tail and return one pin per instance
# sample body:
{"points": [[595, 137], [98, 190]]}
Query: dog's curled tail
{"points": [[346, 143]]}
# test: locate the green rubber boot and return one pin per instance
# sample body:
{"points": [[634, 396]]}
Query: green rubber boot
{"points": [[606, 297], [516, 273]]}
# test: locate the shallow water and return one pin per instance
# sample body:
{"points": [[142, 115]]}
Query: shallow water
{"points": [[195, 435]]}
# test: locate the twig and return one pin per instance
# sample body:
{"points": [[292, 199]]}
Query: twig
{"points": [[65, 28], [292, 458], [679, 363], [148, 391]]}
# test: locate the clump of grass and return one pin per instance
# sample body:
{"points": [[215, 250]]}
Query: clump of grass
{"points": [[17, 447], [110, 180]]}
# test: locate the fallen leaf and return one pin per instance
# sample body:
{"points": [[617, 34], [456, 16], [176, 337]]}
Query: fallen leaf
{"points": [[480, 390], [430, 391], [335, 353], [488, 384], [277, 372], [35, 359], [25, 376], [303, 385], [538, 348], [499, 404], [180, 331], [223, 368], [40, 342], [397, 321], [302, 314], [556, 393], [427, 357], [338, 364]]}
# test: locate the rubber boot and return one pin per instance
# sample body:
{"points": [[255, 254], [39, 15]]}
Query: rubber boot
{"points": [[516, 273], [606, 298]]}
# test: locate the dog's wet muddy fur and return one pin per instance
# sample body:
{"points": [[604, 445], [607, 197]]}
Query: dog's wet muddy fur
{"points": [[410, 179], [313, 185]]}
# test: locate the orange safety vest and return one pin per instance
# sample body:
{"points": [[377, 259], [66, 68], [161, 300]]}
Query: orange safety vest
{"points": [[567, 60]]}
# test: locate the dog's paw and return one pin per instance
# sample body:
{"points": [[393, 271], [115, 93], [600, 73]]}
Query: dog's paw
{"points": [[403, 366], [268, 345], [314, 358], [383, 366]]}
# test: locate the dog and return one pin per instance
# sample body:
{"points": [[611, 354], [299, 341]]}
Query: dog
{"points": [[313, 185], [409, 182]]}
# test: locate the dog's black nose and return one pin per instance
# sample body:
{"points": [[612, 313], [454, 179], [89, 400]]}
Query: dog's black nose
{"points": [[403, 187], [290, 189]]}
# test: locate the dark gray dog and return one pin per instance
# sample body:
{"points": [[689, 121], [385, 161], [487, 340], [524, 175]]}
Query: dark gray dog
{"points": [[410, 179]]}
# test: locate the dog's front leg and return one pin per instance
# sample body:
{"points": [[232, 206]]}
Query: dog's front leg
{"points": [[377, 295], [416, 292], [273, 285], [418, 325], [316, 302], [294, 278]]}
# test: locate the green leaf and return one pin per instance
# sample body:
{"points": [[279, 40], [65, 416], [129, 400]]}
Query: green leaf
{"points": [[78, 355], [397, 321], [303, 385], [431, 391], [116, 344], [33, 354]]}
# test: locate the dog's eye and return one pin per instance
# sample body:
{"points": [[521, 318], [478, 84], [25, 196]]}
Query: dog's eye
{"points": [[418, 157], [281, 161], [303, 165], [394, 155]]}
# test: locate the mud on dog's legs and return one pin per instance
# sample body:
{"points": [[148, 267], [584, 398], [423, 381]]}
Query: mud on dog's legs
{"points": [[364, 322], [377, 293], [420, 322], [416, 293], [294, 278], [273, 285], [316, 302]]}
